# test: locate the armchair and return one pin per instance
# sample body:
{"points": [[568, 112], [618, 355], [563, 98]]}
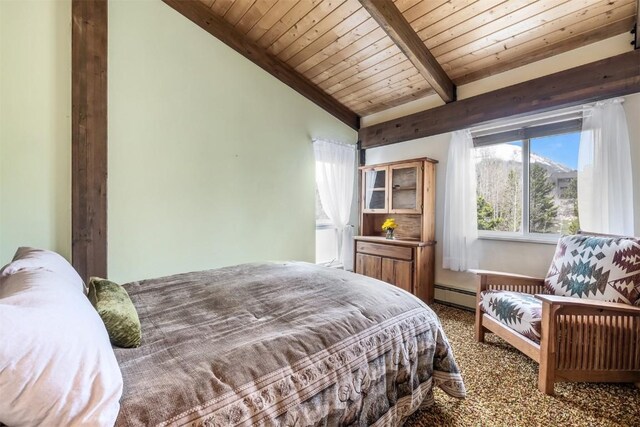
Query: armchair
{"points": [[572, 339]]}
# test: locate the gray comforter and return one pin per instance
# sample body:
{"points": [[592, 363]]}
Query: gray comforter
{"points": [[288, 344]]}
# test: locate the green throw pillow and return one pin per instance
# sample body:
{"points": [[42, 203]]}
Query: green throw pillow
{"points": [[117, 312]]}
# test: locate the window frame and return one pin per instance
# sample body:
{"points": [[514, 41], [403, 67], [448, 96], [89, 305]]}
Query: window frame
{"points": [[321, 225], [524, 135]]}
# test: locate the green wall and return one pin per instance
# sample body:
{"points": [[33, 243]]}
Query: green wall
{"points": [[35, 126], [210, 157]]}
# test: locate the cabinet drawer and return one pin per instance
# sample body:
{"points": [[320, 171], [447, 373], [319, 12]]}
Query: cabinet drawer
{"points": [[391, 251]]}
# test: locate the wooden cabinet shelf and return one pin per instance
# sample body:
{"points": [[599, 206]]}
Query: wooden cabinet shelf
{"points": [[404, 191]]}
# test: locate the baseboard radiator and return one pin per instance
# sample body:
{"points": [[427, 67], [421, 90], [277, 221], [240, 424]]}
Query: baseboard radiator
{"points": [[457, 291]]}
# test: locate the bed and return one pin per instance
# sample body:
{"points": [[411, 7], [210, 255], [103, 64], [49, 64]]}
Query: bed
{"points": [[269, 344], [281, 344]]}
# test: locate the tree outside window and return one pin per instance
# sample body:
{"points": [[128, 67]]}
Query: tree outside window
{"points": [[528, 186]]}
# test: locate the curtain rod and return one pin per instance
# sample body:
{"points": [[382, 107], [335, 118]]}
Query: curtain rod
{"points": [[333, 141]]}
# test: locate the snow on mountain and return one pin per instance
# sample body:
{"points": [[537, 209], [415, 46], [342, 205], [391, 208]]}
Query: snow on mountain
{"points": [[513, 153]]}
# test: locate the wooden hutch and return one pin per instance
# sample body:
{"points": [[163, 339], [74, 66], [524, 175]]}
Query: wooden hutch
{"points": [[404, 191]]}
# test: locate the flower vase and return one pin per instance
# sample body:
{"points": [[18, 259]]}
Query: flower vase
{"points": [[390, 233]]}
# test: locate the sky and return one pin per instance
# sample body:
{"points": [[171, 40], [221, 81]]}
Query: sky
{"points": [[559, 148]]}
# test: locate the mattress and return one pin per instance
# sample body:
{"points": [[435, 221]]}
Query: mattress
{"points": [[281, 344]]}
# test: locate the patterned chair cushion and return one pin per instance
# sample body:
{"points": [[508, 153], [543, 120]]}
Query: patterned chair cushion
{"points": [[594, 267], [518, 311]]}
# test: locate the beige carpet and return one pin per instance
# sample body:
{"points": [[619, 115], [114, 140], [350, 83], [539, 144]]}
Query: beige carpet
{"points": [[502, 389]]}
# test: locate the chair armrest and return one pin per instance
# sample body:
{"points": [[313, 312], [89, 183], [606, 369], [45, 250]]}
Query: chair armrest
{"points": [[503, 274], [494, 280], [559, 301]]}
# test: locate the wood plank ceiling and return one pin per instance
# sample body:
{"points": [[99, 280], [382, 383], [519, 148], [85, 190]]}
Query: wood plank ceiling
{"points": [[337, 46]]}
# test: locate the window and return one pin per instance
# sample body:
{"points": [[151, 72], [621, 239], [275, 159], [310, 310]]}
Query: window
{"points": [[527, 181], [321, 215], [326, 236]]}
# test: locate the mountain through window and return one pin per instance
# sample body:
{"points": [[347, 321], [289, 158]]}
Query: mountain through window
{"points": [[528, 186]]}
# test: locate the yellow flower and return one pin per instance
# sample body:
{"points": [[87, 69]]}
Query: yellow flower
{"points": [[389, 223]]}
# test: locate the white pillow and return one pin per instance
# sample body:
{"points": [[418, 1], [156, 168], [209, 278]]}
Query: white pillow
{"points": [[29, 259], [57, 366]]}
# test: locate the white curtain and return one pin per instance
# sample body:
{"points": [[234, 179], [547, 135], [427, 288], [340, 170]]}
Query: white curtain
{"points": [[605, 183], [335, 174], [460, 216]]}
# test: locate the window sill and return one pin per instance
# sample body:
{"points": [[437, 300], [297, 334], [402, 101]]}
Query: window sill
{"points": [[531, 238], [325, 226], [330, 264]]}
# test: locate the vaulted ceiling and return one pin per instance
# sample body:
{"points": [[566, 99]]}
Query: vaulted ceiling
{"points": [[359, 60]]}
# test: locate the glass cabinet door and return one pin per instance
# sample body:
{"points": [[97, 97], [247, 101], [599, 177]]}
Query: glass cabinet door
{"points": [[374, 181], [406, 188]]}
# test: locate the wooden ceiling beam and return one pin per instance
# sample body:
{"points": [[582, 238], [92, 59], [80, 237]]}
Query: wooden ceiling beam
{"points": [[393, 22], [607, 78], [215, 25], [636, 41]]}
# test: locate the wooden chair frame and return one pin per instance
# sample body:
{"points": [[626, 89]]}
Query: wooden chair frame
{"points": [[581, 340]]}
